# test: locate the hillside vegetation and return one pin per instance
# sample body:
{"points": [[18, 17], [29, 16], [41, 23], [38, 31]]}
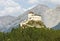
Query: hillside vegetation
{"points": [[32, 31]]}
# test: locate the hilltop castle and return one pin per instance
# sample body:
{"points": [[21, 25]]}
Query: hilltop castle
{"points": [[31, 16]]}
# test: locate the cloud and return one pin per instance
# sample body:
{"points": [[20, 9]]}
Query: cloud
{"points": [[10, 7], [33, 1], [44, 1], [53, 1]]}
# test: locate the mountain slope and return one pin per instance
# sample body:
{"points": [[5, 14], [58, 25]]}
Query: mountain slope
{"points": [[4, 21], [57, 26]]}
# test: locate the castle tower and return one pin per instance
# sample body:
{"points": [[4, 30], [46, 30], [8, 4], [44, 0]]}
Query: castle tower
{"points": [[32, 16]]}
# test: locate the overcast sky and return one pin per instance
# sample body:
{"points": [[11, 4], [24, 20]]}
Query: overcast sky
{"points": [[16, 7]]}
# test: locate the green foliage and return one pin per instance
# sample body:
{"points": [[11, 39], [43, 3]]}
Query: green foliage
{"points": [[31, 33]]}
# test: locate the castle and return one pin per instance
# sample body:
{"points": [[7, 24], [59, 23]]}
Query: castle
{"points": [[31, 16]]}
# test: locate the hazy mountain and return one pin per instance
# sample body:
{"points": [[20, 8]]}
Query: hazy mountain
{"points": [[5, 21], [57, 26], [57, 12]]}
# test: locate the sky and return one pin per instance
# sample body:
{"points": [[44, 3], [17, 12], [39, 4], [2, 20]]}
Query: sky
{"points": [[17, 7]]}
